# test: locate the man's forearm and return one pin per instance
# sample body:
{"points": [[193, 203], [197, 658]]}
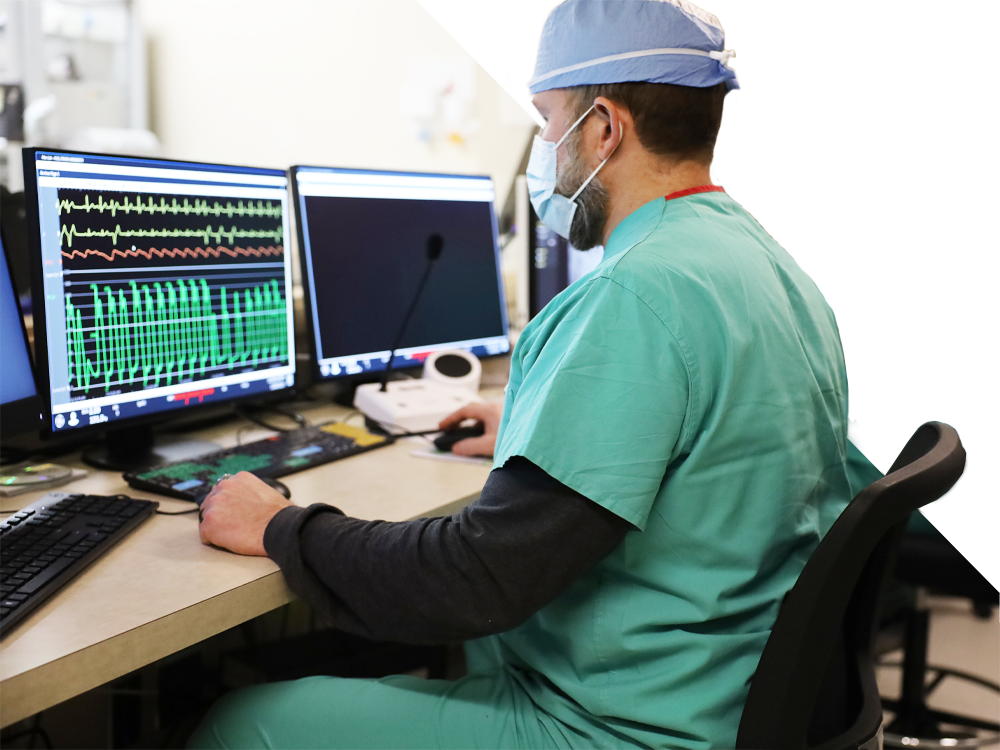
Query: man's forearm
{"points": [[482, 571]]}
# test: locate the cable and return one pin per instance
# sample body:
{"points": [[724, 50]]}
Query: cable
{"points": [[240, 432], [389, 427], [294, 416], [299, 419]]}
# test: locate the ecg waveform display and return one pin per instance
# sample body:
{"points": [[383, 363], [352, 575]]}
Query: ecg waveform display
{"points": [[163, 289], [184, 206], [131, 334], [187, 252], [98, 228]]}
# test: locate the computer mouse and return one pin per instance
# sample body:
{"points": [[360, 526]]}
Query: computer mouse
{"points": [[447, 439], [279, 486]]}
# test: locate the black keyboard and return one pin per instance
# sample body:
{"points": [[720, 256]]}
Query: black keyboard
{"points": [[47, 543], [270, 458]]}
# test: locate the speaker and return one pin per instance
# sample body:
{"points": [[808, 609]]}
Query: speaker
{"points": [[454, 367]]}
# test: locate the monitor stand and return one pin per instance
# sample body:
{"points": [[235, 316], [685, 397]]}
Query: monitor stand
{"points": [[136, 448]]}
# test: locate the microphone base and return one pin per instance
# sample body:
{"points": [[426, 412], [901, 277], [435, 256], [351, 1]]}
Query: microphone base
{"points": [[410, 405]]}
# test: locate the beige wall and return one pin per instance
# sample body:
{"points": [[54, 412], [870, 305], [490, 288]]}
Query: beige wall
{"points": [[320, 81], [947, 47], [300, 81]]}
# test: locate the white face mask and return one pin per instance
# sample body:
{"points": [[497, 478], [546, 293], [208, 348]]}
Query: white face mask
{"points": [[828, 166], [555, 211]]}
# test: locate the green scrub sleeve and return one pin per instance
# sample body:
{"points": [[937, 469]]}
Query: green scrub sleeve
{"points": [[839, 258], [603, 402]]}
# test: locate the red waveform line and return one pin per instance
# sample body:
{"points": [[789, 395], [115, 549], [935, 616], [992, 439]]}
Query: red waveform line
{"points": [[200, 395], [187, 252]]}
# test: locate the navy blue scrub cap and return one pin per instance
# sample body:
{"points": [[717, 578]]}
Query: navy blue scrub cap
{"points": [[879, 93], [615, 41]]}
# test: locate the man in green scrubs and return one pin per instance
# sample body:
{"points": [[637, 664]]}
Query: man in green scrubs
{"points": [[904, 275], [692, 387]]}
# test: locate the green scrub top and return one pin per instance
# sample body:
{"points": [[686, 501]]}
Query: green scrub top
{"points": [[693, 384], [903, 273]]}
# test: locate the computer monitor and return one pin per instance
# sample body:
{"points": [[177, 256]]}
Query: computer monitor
{"points": [[19, 403], [804, 196], [553, 263], [160, 287], [363, 236]]}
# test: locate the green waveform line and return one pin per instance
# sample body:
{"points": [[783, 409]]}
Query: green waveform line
{"points": [[263, 209], [162, 334], [218, 234]]}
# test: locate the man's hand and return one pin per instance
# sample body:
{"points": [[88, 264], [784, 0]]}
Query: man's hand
{"points": [[489, 415], [236, 512]]}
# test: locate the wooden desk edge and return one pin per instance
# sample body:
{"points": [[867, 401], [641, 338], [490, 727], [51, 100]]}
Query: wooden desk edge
{"points": [[26, 694]]}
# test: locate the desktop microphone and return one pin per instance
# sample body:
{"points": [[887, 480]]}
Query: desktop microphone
{"points": [[435, 244]]}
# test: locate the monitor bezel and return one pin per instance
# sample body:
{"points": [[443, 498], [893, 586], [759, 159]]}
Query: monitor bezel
{"points": [[785, 157], [25, 411], [314, 365], [38, 308]]}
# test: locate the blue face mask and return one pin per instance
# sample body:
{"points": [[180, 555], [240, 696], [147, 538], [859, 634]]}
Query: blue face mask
{"points": [[555, 211], [829, 166]]}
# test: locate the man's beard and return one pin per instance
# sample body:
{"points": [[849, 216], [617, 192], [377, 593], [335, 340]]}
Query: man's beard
{"points": [[587, 229]]}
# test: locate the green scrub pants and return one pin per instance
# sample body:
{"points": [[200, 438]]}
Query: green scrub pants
{"points": [[487, 709]]}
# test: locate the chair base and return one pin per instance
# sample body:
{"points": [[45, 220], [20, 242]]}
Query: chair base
{"points": [[898, 740], [915, 724], [920, 726]]}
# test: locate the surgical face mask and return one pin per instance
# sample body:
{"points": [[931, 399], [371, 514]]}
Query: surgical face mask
{"points": [[556, 211], [828, 166]]}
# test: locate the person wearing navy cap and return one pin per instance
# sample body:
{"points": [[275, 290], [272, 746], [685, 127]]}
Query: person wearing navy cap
{"points": [[904, 275], [670, 451]]}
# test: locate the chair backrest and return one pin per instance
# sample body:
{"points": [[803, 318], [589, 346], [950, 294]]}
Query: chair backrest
{"points": [[815, 683], [981, 476]]}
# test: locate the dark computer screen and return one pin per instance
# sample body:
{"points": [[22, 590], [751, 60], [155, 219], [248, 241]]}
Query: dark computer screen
{"points": [[163, 285], [804, 196], [364, 240]]}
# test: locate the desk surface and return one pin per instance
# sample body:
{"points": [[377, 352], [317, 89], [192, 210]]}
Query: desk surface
{"points": [[160, 590]]}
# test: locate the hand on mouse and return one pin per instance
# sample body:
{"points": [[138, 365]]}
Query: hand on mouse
{"points": [[236, 512], [489, 415]]}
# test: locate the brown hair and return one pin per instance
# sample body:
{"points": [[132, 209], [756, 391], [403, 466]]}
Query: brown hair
{"points": [[680, 123]]}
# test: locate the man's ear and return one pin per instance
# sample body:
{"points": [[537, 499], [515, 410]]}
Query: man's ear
{"points": [[614, 120]]}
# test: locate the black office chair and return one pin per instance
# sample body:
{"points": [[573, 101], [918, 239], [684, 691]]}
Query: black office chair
{"points": [[966, 566], [815, 687]]}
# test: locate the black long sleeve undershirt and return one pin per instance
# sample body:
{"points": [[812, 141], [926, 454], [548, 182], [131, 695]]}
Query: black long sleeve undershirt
{"points": [[439, 580]]}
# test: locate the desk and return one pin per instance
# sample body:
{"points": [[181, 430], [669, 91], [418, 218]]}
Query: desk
{"points": [[160, 590]]}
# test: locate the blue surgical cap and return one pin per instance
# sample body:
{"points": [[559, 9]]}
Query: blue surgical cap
{"points": [[615, 41]]}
